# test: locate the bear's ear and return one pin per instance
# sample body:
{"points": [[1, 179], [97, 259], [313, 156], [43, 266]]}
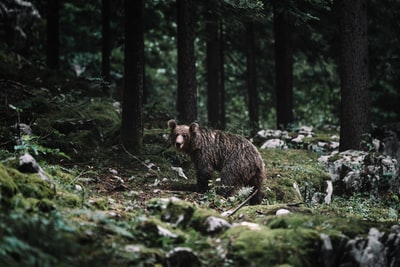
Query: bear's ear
{"points": [[172, 124], [193, 128]]}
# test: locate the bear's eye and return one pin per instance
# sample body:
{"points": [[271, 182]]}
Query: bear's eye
{"points": [[185, 136]]}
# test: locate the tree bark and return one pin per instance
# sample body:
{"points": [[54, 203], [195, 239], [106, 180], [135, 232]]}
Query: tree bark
{"points": [[214, 96], [251, 78], [283, 70], [106, 40], [52, 34], [355, 113], [187, 91], [222, 74], [132, 109]]}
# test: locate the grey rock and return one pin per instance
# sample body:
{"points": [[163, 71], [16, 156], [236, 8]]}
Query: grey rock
{"points": [[28, 164], [274, 143], [215, 224], [360, 171], [379, 249]]}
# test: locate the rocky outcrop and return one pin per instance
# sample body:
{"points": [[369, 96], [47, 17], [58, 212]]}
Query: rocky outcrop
{"points": [[357, 171], [378, 249]]}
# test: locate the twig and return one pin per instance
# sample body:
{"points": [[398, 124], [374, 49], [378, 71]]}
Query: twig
{"points": [[133, 156], [231, 212]]}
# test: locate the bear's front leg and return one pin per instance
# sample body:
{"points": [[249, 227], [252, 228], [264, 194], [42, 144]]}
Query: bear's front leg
{"points": [[204, 175]]}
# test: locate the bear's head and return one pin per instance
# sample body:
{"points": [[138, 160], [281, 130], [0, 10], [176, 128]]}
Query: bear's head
{"points": [[182, 135]]}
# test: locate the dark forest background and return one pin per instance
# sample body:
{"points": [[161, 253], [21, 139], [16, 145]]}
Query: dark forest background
{"points": [[234, 65], [88, 176]]}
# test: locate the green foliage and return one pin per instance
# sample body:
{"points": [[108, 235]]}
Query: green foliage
{"points": [[30, 144], [285, 168], [316, 91]]}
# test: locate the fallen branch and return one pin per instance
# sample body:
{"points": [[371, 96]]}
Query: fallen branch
{"points": [[233, 211], [133, 156]]}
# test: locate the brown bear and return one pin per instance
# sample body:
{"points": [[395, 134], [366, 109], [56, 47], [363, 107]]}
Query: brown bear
{"points": [[236, 158]]}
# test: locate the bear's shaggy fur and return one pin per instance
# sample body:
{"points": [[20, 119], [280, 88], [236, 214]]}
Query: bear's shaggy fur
{"points": [[236, 158]]}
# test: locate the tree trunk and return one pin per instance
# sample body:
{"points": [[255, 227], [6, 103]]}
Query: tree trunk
{"points": [[187, 91], [355, 114], [283, 70], [214, 108], [222, 74], [106, 40], [251, 78], [132, 109], [52, 34]]}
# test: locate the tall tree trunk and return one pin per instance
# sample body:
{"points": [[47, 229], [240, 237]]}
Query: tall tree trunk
{"points": [[52, 34], [106, 40], [355, 114], [214, 108], [251, 78], [187, 91], [132, 108], [222, 75], [283, 69]]}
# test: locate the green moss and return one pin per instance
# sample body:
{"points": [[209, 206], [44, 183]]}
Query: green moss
{"points": [[157, 233], [332, 225], [32, 185], [198, 221], [100, 203], [271, 247], [69, 200], [7, 186], [260, 212], [46, 205], [284, 168], [29, 185], [138, 255], [20, 202], [60, 176], [178, 212]]}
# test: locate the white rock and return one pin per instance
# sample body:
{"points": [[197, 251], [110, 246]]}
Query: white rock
{"points": [[273, 143], [281, 212], [215, 224], [180, 172], [78, 187], [298, 139], [251, 226], [165, 232], [329, 191]]}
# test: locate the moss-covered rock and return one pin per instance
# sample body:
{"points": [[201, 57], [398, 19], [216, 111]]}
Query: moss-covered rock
{"points": [[29, 185], [207, 221], [178, 212], [7, 186], [260, 213], [293, 176], [271, 247], [46, 205], [139, 255], [33, 185], [69, 200], [156, 233]]}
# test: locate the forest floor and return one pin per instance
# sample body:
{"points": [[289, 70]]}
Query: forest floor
{"points": [[112, 208]]}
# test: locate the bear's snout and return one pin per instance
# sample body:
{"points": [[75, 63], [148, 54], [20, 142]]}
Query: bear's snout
{"points": [[178, 145]]}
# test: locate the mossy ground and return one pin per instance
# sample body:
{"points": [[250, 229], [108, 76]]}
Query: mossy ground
{"points": [[121, 221], [109, 208]]}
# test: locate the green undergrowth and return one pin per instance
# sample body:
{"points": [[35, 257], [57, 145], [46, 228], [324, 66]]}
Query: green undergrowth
{"points": [[89, 217], [285, 168], [89, 227]]}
